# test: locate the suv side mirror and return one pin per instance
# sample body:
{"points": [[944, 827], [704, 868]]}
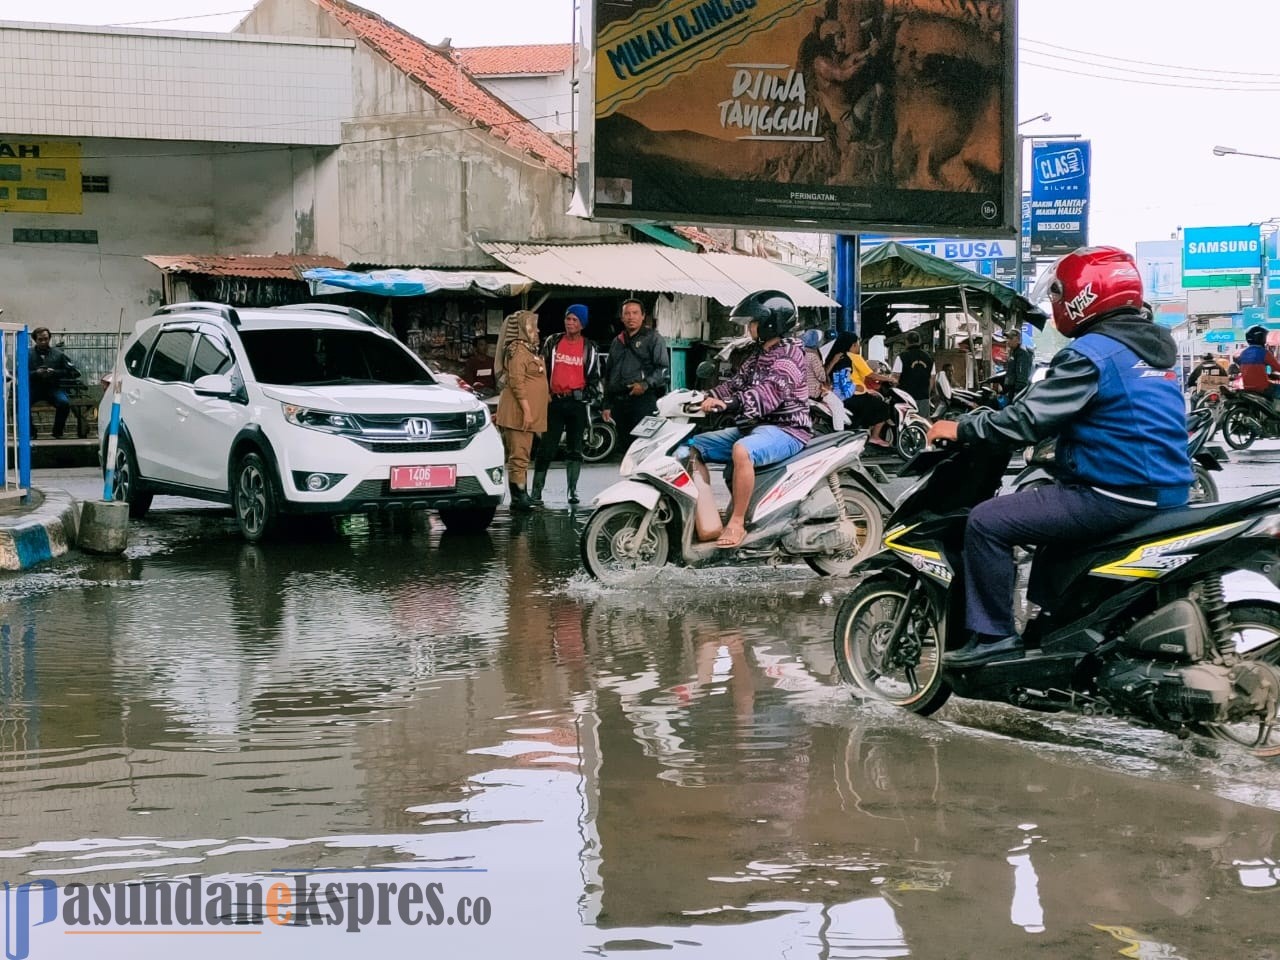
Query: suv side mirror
{"points": [[217, 385]]}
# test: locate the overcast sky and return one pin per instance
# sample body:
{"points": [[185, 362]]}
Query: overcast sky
{"points": [[1153, 124]]}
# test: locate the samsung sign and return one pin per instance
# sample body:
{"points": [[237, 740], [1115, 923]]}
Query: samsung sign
{"points": [[1221, 256]]}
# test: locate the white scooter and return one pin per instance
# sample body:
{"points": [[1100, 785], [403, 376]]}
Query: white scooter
{"points": [[819, 506]]}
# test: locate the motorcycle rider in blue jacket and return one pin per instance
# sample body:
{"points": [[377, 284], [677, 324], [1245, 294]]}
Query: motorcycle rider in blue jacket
{"points": [[1114, 401]]}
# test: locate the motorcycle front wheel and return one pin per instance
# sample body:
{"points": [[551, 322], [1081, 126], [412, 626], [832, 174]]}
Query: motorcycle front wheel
{"points": [[1240, 430], [907, 673], [1203, 488], [611, 552], [1255, 626]]}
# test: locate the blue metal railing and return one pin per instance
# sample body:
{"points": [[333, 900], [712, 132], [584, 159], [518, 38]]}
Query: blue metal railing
{"points": [[15, 410]]}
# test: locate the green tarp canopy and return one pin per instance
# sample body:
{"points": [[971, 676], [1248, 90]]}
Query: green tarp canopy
{"points": [[901, 279]]}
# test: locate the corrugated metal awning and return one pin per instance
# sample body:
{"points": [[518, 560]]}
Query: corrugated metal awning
{"points": [[724, 277], [272, 266]]}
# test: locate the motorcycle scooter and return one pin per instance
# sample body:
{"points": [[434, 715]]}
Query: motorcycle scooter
{"points": [[1140, 626], [818, 506]]}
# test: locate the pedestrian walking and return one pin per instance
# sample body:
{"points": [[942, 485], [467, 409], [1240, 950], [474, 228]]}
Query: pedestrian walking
{"points": [[522, 407], [638, 366], [573, 369]]}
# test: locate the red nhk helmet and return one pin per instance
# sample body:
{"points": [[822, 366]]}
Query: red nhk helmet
{"points": [[1087, 284]]}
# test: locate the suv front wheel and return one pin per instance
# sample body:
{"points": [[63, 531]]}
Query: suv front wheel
{"points": [[254, 498], [125, 482]]}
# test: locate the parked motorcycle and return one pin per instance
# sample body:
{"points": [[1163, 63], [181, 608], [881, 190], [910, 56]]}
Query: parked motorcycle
{"points": [[956, 401], [1140, 627], [1206, 460], [819, 506], [910, 428], [1247, 417]]}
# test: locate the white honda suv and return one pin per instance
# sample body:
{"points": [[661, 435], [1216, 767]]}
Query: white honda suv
{"points": [[306, 409]]}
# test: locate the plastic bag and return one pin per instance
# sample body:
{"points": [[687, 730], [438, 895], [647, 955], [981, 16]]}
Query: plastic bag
{"points": [[842, 384]]}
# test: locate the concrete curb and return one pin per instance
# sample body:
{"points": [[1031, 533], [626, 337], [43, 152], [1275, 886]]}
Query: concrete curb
{"points": [[45, 532]]}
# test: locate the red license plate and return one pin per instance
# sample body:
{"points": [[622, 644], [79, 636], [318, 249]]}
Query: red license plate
{"points": [[424, 478]]}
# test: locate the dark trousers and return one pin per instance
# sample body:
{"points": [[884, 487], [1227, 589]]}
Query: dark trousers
{"points": [[628, 411], [1049, 514], [61, 407], [567, 417]]}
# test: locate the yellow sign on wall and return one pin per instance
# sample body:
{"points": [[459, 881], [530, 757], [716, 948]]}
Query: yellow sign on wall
{"points": [[40, 177]]}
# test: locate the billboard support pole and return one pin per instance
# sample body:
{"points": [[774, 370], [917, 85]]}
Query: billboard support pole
{"points": [[848, 287]]}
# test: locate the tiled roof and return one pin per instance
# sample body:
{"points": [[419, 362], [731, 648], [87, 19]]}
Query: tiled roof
{"points": [[276, 266], [536, 58], [448, 82], [703, 239]]}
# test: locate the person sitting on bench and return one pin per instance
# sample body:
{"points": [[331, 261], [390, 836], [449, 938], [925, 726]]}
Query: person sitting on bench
{"points": [[50, 372]]}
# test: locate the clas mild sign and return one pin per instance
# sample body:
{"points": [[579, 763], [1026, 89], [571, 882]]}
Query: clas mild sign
{"points": [[1221, 256], [38, 177]]}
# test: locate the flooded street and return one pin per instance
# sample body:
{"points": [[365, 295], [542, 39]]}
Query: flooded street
{"points": [[675, 770]]}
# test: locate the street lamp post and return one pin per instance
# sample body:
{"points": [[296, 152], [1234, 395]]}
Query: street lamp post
{"points": [[1232, 151]]}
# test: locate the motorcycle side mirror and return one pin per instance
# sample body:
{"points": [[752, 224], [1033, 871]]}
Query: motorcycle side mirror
{"points": [[706, 370]]}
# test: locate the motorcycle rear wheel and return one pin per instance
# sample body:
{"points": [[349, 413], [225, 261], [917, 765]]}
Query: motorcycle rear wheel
{"points": [[1240, 430], [606, 543], [1252, 622], [908, 676], [869, 522], [911, 440], [599, 441]]}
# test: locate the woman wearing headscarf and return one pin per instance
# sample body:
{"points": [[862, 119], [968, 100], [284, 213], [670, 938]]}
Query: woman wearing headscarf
{"points": [[522, 407], [814, 373], [849, 374]]}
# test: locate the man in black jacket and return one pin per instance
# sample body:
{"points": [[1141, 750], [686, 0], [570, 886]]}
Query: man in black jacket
{"points": [[1115, 468], [637, 375], [50, 372]]}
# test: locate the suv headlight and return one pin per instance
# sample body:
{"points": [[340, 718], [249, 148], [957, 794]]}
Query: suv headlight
{"points": [[319, 419], [477, 420]]}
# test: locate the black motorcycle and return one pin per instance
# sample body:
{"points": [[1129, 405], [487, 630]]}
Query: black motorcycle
{"points": [[1247, 417], [1139, 627]]}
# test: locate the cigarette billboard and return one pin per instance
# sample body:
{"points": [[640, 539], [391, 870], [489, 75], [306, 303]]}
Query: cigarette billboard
{"points": [[890, 115]]}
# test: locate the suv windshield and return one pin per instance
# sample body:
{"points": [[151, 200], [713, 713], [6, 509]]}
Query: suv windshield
{"points": [[311, 357]]}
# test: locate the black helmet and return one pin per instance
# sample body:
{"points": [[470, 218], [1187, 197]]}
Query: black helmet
{"points": [[1256, 336], [773, 312]]}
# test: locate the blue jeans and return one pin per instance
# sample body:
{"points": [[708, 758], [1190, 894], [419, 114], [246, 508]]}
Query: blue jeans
{"points": [[61, 407], [766, 444]]}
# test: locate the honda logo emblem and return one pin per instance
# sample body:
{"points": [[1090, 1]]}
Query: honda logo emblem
{"points": [[418, 427]]}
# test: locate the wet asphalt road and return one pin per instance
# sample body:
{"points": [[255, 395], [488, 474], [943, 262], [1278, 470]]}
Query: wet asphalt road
{"points": [[674, 771]]}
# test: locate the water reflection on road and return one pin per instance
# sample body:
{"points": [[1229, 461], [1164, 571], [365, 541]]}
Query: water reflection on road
{"points": [[671, 769]]}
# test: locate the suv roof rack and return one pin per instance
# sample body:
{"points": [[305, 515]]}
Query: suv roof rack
{"points": [[201, 306], [351, 312]]}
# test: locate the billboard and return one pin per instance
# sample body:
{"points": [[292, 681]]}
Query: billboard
{"points": [[842, 115], [1160, 263], [39, 177], [1059, 196], [1221, 256]]}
